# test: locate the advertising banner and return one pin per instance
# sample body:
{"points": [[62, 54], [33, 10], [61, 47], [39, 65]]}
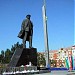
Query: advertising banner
{"points": [[73, 58], [70, 62], [73, 62], [67, 62]]}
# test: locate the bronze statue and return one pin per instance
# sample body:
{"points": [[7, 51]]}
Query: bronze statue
{"points": [[26, 32]]}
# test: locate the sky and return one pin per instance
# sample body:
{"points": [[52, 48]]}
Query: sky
{"points": [[60, 22], [74, 22]]}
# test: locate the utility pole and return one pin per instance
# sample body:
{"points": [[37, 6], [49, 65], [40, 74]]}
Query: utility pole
{"points": [[45, 34]]}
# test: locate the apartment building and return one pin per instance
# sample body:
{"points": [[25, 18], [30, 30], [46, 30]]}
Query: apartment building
{"points": [[57, 57]]}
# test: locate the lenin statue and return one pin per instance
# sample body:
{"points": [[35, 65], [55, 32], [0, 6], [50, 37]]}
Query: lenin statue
{"points": [[26, 31]]}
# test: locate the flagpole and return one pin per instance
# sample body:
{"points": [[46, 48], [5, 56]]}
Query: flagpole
{"points": [[45, 34]]}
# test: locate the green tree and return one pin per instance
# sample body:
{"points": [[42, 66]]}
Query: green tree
{"points": [[7, 56], [2, 56], [53, 62], [12, 50], [41, 59]]}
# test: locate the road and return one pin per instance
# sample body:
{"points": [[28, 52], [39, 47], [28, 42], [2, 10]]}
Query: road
{"points": [[58, 73]]}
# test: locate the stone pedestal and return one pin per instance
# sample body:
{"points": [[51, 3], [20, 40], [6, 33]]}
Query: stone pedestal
{"points": [[22, 56]]}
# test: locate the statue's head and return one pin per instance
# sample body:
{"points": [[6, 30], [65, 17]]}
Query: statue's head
{"points": [[28, 16]]}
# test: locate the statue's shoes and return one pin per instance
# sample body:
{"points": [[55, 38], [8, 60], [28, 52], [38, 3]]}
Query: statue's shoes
{"points": [[31, 47]]}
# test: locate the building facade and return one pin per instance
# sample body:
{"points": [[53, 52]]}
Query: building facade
{"points": [[58, 57]]}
